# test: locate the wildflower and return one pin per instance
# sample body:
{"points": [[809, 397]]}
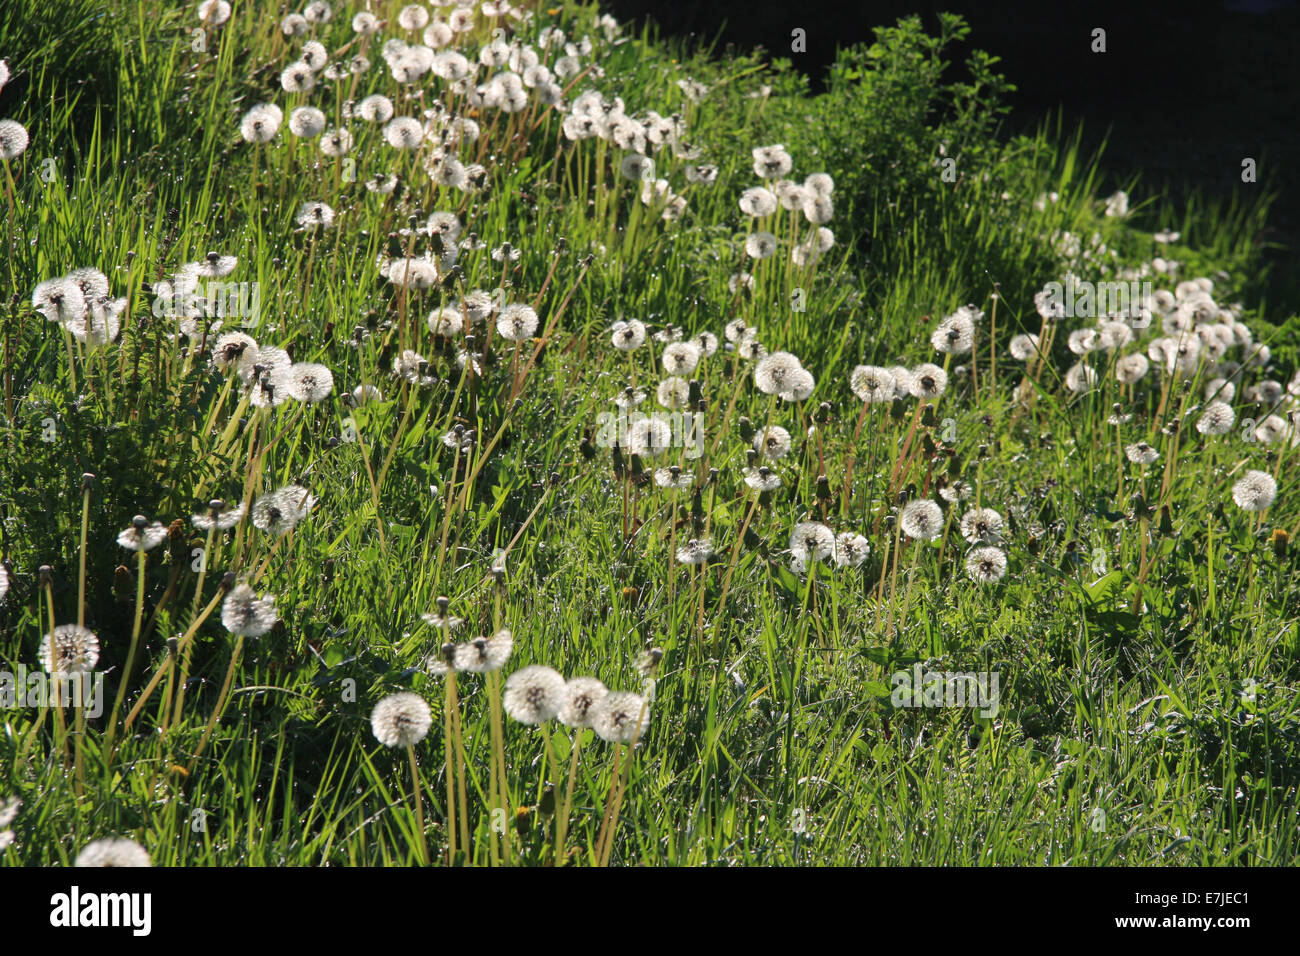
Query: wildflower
{"points": [[367, 24], [1271, 429], [757, 202], [871, 383], [245, 614], [771, 162], [484, 654], [673, 393], [413, 17], [534, 694], [318, 11], [307, 122], [1217, 419], [375, 108], [820, 183], [817, 209], [580, 695], [680, 358], [297, 78], [69, 649], [113, 851], [981, 525], [13, 139], [762, 479], [309, 382], [1254, 491], [315, 214], [772, 373], [143, 535], [1080, 377], [773, 442], [1023, 347], [1140, 453], [336, 142], [620, 717], [219, 517], [629, 398], [517, 323], [401, 720], [277, 512], [760, 245], [928, 381], [673, 478], [235, 350], [648, 437], [696, 551], [636, 167], [986, 565], [921, 520], [1132, 368], [798, 386], [404, 132], [851, 549], [811, 541], [706, 342], [736, 330]]}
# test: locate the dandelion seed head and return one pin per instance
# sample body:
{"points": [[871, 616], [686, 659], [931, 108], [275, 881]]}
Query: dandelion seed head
{"points": [[112, 852], [851, 549], [921, 520], [927, 381], [534, 694], [143, 535], [1255, 491], [986, 565], [581, 694], [620, 717], [774, 371], [69, 649], [401, 720]]}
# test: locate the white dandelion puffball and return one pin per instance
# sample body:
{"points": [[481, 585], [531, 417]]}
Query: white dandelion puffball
{"points": [[245, 614], [69, 649], [534, 694], [921, 520], [13, 139], [1255, 491], [986, 565], [620, 717], [401, 720], [517, 323], [113, 851], [580, 695]]}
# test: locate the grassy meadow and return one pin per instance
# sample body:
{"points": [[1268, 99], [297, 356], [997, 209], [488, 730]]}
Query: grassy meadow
{"points": [[374, 373]]}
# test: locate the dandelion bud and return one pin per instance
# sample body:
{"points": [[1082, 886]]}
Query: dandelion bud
{"points": [[954, 466], [443, 603], [620, 469], [1166, 521], [928, 418], [86, 481], [554, 479], [546, 806], [823, 414], [823, 488], [746, 429], [228, 581], [1278, 540], [523, 822], [897, 409]]}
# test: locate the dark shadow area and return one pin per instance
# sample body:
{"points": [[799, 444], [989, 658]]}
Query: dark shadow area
{"points": [[1183, 92]]}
